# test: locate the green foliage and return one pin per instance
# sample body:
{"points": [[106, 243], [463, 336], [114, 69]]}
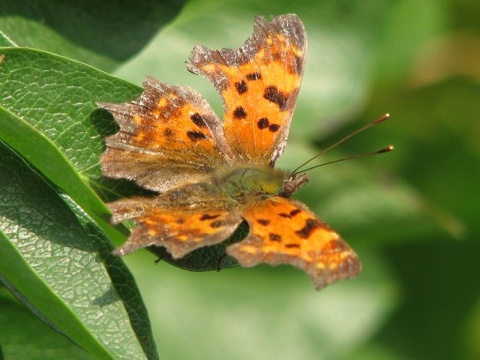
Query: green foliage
{"points": [[411, 214], [101, 34]]}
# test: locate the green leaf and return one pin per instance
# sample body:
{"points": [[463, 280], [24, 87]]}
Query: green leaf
{"points": [[5, 41], [62, 269], [103, 34], [46, 116], [24, 336]]}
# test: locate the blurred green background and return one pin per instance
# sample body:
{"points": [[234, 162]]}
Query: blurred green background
{"points": [[412, 215]]}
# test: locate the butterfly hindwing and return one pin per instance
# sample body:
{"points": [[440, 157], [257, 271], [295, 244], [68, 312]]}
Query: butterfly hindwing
{"points": [[179, 230], [284, 231]]}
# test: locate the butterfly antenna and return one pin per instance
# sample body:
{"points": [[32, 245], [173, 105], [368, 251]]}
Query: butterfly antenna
{"points": [[380, 151], [342, 140]]}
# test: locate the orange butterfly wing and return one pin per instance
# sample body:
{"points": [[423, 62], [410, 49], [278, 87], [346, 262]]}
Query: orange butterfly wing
{"points": [[259, 84], [169, 137], [284, 231], [179, 229]]}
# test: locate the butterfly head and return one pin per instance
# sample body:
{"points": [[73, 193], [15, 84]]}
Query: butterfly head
{"points": [[293, 183]]}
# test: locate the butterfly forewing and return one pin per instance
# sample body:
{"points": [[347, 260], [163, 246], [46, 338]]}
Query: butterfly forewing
{"points": [[167, 138], [259, 84]]}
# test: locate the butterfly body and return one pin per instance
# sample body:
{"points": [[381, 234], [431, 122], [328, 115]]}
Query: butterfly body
{"points": [[250, 184], [210, 175]]}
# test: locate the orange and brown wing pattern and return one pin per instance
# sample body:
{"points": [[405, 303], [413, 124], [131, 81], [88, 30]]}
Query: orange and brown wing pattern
{"points": [[170, 136], [179, 230], [259, 84], [283, 231]]}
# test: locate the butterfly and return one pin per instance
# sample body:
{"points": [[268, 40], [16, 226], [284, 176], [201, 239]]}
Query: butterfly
{"points": [[212, 175]]}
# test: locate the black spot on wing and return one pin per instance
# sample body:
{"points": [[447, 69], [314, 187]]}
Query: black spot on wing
{"points": [[295, 212], [241, 87], [208, 217], [263, 222], [291, 214], [292, 246], [263, 123], [274, 237], [254, 76], [274, 127], [196, 135], [308, 228], [275, 96], [239, 113], [198, 120]]}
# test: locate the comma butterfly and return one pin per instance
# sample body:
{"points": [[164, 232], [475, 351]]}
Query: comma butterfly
{"points": [[212, 175]]}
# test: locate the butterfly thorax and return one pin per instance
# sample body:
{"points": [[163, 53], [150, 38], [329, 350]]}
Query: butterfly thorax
{"points": [[250, 183]]}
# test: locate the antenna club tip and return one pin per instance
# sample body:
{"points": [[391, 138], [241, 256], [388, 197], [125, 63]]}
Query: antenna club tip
{"points": [[386, 149], [381, 119]]}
